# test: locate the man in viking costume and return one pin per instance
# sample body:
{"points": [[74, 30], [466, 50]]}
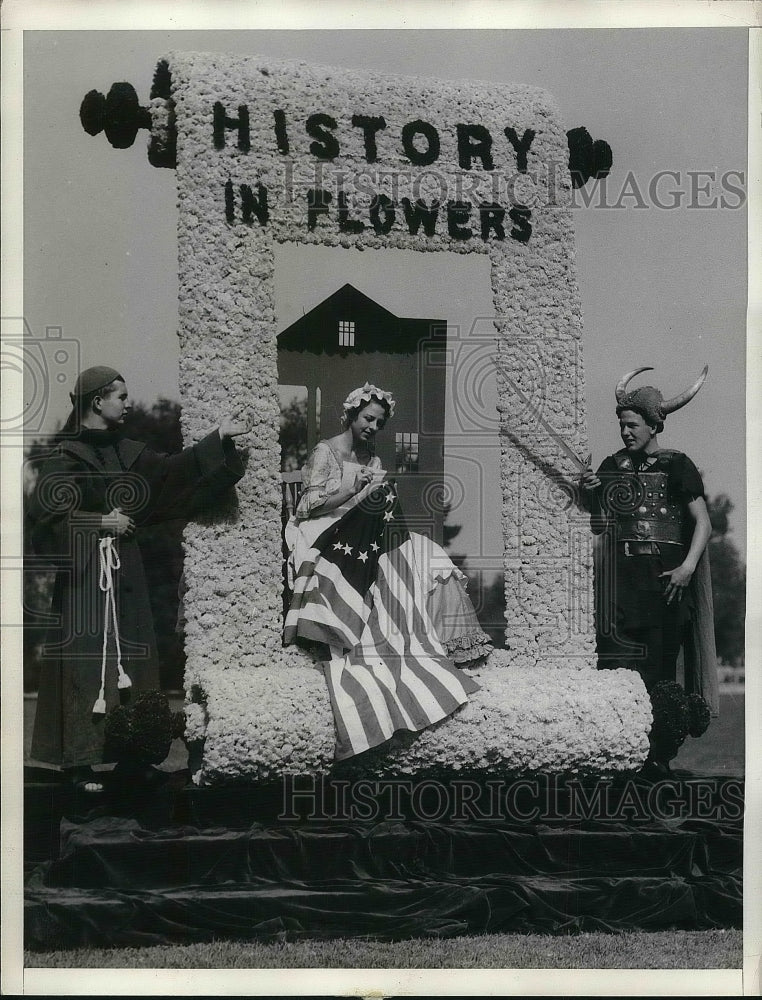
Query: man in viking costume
{"points": [[653, 588]]}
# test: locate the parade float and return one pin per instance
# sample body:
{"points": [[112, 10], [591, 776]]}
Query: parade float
{"points": [[538, 821], [267, 153]]}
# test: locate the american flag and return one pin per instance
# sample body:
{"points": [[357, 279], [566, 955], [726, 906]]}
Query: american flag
{"points": [[359, 591]]}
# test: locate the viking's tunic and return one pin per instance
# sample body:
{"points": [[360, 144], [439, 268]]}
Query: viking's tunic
{"points": [[643, 504], [88, 476]]}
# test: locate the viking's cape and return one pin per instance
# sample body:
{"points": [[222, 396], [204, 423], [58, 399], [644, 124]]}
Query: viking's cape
{"points": [[698, 658]]}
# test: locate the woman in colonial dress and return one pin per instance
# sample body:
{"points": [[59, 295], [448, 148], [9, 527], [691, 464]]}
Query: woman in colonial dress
{"points": [[385, 607]]}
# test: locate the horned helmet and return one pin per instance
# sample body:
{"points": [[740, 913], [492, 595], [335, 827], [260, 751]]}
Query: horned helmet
{"points": [[649, 401]]}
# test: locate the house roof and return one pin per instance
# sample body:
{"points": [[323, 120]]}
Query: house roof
{"points": [[376, 328]]}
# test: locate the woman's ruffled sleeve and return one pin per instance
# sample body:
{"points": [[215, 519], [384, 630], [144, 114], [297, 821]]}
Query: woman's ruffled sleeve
{"points": [[321, 478]]}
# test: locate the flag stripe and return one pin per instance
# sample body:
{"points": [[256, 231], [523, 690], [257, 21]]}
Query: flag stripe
{"points": [[421, 626], [431, 687], [333, 577], [361, 686], [388, 638], [316, 576], [317, 622], [328, 602], [327, 605], [350, 731], [388, 670], [398, 578], [389, 689]]}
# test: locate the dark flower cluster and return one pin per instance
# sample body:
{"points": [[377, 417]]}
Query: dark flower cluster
{"points": [[142, 733], [675, 716]]}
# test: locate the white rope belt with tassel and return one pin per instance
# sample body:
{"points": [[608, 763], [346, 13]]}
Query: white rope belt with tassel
{"points": [[109, 561]]}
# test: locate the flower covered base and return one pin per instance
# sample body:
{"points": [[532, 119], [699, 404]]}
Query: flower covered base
{"points": [[521, 721]]}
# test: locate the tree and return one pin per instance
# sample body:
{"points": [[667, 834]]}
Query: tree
{"points": [[489, 601], [487, 595], [450, 532], [728, 583], [293, 435], [161, 545]]}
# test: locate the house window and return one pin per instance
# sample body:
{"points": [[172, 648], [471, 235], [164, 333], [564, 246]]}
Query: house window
{"points": [[407, 451], [346, 333]]}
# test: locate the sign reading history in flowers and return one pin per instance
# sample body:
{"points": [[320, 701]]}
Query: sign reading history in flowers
{"points": [[268, 153], [421, 145], [388, 173]]}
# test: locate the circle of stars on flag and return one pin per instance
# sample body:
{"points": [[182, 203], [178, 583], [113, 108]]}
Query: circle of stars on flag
{"points": [[388, 516]]}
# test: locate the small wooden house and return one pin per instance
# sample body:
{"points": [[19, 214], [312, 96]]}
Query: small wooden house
{"points": [[349, 339]]}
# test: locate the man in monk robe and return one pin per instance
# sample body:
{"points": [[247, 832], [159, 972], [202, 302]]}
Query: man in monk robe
{"points": [[91, 498]]}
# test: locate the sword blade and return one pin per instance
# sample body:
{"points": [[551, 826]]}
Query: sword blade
{"points": [[545, 425]]}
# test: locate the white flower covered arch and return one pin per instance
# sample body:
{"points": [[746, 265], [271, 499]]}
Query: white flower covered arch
{"points": [[249, 134]]}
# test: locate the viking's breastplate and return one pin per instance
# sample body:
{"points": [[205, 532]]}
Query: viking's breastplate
{"points": [[645, 511]]}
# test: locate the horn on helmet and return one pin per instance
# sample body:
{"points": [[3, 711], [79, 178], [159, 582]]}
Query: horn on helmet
{"points": [[670, 405], [622, 383]]}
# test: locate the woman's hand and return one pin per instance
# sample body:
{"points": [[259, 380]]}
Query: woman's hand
{"points": [[232, 426], [118, 522], [363, 477], [679, 579]]}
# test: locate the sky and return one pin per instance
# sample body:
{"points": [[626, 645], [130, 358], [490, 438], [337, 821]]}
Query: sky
{"points": [[659, 286]]}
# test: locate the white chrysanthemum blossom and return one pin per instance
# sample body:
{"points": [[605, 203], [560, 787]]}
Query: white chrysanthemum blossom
{"points": [[519, 722], [266, 709], [195, 722]]}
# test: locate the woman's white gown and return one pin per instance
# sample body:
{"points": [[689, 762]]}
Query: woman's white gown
{"points": [[387, 606]]}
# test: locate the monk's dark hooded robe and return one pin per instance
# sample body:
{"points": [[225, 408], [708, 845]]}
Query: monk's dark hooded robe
{"points": [[87, 476]]}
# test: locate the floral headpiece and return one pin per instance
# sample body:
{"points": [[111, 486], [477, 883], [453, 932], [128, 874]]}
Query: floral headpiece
{"points": [[366, 394]]}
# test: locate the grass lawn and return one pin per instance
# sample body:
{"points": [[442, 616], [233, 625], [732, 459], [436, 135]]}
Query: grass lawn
{"points": [[719, 751], [717, 949]]}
